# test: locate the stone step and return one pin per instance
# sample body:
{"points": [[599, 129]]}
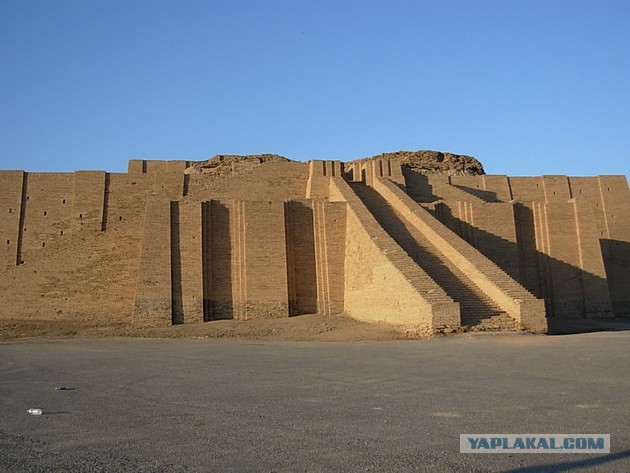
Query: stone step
{"points": [[455, 283]]}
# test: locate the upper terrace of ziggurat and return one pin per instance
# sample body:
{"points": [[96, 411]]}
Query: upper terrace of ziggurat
{"points": [[423, 240]]}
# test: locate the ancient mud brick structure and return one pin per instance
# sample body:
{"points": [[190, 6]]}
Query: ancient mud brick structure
{"points": [[379, 239]]}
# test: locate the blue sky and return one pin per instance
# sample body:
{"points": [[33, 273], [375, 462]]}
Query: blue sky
{"points": [[527, 87]]}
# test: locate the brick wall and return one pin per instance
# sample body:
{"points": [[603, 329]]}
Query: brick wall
{"points": [[153, 303], [495, 283], [187, 262], [47, 212], [218, 236], [319, 174], [597, 300], [527, 189], [167, 176], [567, 239], [245, 268], [490, 228], [125, 199], [561, 260], [382, 283], [148, 166], [593, 207], [615, 240], [11, 184], [301, 274], [260, 261], [489, 188], [556, 189], [89, 201], [561, 275], [329, 222]]}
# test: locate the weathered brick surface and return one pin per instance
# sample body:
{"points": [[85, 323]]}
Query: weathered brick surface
{"points": [[291, 238], [595, 294], [329, 222], [566, 246], [489, 227], [260, 265], [47, 212], [89, 201], [302, 276], [382, 283], [245, 272], [148, 166], [527, 189], [11, 187], [153, 305], [495, 283], [616, 238], [187, 262], [319, 172], [218, 236]]}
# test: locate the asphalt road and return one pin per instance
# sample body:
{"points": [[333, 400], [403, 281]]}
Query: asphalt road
{"points": [[208, 405]]}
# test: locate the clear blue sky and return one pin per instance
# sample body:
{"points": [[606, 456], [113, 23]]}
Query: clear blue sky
{"points": [[528, 87]]}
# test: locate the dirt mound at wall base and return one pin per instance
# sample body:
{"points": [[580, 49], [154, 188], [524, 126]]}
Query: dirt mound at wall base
{"points": [[303, 328]]}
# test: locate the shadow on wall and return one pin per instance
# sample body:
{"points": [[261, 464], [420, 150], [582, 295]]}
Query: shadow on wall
{"points": [[176, 267], [421, 190], [561, 285], [217, 262], [474, 310], [418, 187], [218, 258], [617, 264], [300, 250], [487, 196]]}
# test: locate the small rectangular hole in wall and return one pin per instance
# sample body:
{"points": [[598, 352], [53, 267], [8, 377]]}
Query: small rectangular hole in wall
{"points": [[43, 245], [120, 218], [80, 215], [61, 232], [28, 197], [8, 242], [10, 211], [554, 192], [63, 201], [45, 213]]}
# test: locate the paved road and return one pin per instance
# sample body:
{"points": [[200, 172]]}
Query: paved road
{"points": [[202, 405]]}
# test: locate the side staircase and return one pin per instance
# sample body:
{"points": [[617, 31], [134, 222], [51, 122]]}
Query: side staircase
{"points": [[478, 311]]}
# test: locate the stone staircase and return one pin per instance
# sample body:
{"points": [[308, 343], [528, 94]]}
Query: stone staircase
{"points": [[478, 311]]}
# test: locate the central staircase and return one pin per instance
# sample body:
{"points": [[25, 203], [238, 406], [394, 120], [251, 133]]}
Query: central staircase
{"points": [[478, 311]]}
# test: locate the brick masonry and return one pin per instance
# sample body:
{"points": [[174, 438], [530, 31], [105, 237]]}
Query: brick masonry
{"points": [[315, 248]]}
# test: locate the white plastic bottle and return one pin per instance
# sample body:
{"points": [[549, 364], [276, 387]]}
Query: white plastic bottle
{"points": [[34, 411]]}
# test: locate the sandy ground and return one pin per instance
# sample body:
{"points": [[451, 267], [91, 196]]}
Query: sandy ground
{"points": [[313, 327], [304, 327]]}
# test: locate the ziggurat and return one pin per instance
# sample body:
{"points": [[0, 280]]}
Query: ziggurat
{"points": [[428, 248]]}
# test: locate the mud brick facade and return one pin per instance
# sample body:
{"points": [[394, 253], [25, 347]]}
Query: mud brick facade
{"points": [[373, 239]]}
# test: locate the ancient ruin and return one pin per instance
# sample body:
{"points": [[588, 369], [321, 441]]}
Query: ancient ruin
{"points": [[422, 240]]}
